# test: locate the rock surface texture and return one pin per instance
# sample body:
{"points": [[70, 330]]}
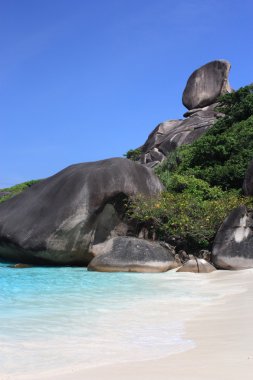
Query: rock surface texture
{"points": [[200, 96], [129, 254], [206, 84], [233, 244], [64, 219], [167, 136], [248, 180], [57, 219], [197, 266]]}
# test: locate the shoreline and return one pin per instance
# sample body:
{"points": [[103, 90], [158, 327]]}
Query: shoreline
{"points": [[219, 330], [223, 336]]}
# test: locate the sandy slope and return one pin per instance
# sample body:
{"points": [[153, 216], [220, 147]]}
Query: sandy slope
{"points": [[223, 334]]}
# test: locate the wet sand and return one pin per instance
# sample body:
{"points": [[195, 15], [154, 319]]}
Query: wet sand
{"points": [[223, 335]]}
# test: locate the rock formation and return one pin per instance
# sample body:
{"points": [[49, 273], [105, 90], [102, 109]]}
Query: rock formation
{"points": [[200, 96], [167, 136], [79, 212], [248, 180], [196, 265], [129, 254], [56, 220], [206, 84], [233, 244]]}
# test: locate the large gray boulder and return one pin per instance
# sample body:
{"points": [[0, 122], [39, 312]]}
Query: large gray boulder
{"points": [[233, 244], [129, 254], [58, 219], [206, 84], [167, 136], [248, 180]]}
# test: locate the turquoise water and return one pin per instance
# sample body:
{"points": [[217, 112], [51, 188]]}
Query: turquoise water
{"points": [[60, 318]]}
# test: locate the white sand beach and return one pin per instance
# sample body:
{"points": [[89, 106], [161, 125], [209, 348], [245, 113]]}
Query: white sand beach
{"points": [[217, 337], [223, 335]]}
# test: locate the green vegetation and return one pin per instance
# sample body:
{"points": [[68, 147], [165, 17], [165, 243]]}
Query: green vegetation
{"points": [[133, 154], [14, 190], [192, 219], [221, 156], [203, 181]]}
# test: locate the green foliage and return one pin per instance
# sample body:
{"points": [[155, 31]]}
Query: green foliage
{"points": [[220, 159], [168, 165], [193, 186], [237, 106], [14, 190], [203, 180], [133, 154], [186, 215], [220, 156]]}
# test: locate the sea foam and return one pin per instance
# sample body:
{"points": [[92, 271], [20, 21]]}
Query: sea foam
{"points": [[55, 319]]}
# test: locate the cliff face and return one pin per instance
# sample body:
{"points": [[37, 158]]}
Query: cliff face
{"points": [[200, 96]]}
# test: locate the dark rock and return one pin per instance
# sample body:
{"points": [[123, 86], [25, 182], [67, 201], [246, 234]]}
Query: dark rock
{"points": [[248, 180], [183, 256], [208, 111], [233, 244], [157, 135], [178, 259], [56, 220], [200, 96], [167, 136], [154, 156], [206, 84], [195, 265], [205, 254], [192, 112], [129, 254], [152, 164]]}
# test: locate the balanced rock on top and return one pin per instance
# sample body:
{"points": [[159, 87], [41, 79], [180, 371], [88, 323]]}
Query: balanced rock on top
{"points": [[200, 96], [206, 84]]}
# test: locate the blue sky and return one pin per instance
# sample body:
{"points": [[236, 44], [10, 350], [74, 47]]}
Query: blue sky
{"points": [[86, 80]]}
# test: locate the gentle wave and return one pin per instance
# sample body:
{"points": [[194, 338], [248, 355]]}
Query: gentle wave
{"points": [[61, 318]]}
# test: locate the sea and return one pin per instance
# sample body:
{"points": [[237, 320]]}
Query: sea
{"points": [[59, 318]]}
